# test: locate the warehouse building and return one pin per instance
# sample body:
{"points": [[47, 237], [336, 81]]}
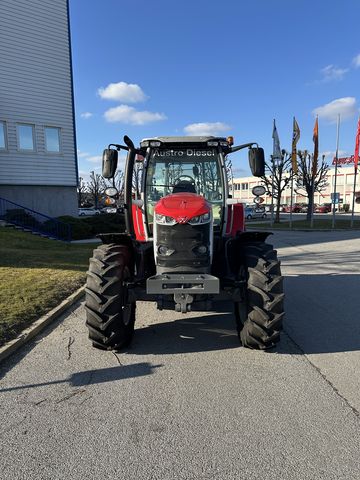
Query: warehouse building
{"points": [[38, 164]]}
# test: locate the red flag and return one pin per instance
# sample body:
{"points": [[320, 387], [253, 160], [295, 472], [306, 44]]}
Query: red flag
{"points": [[357, 140], [316, 146], [295, 139]]}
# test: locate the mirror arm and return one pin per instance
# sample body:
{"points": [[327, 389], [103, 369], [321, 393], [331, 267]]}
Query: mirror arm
{"points": [[240, 147], [123, 147], [118, 147]]}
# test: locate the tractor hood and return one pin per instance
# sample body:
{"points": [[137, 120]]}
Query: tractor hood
{"points": [[182, 206]]}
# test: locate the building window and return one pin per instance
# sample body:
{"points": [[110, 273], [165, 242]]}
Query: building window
{"points": [[26, 137], [2, 136], [52, 139], [350, 179], [244, 186]]}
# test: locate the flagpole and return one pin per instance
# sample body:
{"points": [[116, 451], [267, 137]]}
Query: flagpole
{"points": [[294, 170], [314, 169], [356, 161], [313, 203], [291, 198], [336, 169], [353, 200], [272, 193], [313, 194]]}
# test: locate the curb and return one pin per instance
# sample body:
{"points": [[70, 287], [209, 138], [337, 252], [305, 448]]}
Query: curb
{"points": [[35, 328]]}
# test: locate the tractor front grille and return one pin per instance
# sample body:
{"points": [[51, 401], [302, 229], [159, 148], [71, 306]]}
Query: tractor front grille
{"points": [[189, 246]]}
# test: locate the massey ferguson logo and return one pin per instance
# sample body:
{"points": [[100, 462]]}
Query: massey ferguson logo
{"points": [[182, 219]]}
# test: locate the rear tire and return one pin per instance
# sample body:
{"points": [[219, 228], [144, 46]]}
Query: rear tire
{"points": [[110, 315], [259, 318]]}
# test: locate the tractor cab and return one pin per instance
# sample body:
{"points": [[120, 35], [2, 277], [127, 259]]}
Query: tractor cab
{"points": [[191, 166]]}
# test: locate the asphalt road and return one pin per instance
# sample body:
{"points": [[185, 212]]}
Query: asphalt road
{"points": [[186, 402]]}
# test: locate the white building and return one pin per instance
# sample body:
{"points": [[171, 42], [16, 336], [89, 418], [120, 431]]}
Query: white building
{"points": [[344, 186], [38, 164]]}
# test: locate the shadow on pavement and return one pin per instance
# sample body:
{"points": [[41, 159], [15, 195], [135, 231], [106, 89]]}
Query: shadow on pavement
{"points": [[92, 377], [211, 331]]}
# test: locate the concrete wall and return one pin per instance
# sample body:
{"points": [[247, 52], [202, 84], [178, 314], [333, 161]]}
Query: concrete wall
{"points": [[52, 201]]}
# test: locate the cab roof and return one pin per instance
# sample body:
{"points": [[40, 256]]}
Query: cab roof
{"points": [[191, 140]]}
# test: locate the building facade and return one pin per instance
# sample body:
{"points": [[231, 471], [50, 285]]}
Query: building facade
{"points": [[38, 163], [344, 186]]}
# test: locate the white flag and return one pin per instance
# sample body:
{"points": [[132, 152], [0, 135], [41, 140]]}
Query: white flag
{"points": [[276, 144]]}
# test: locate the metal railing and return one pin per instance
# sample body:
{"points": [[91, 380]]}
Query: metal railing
{"points": [[30, 220]]}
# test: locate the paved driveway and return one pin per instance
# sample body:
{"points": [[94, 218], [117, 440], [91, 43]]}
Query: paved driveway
{"points": [[185, 402]]}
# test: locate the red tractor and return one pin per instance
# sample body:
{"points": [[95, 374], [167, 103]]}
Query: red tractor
{"points": [[185, 244]]}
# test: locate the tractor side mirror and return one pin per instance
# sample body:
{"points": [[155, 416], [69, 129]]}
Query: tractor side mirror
{"points": [[257, 161], [109, 162]]}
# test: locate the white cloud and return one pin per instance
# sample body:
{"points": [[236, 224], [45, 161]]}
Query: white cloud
{"points": [[330, 154], [81, 154], [332, 73], [131, 116], [122, 92], [206, 128], [88, 157], [94, 158], [86, 115], [345, 106], [356, 61]]}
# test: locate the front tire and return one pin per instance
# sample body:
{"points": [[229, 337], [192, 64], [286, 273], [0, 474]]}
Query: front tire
{"points": [[110, 315], [259, 318]]}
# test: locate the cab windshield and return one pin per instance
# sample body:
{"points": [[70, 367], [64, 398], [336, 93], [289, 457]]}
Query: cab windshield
{"points": [[184, 170]]}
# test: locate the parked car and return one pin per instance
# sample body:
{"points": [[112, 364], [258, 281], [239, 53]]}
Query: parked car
{"points": [[269, 207], [323, 208], [89, 212], [109, 210], [296, 208], [113, 209], [252, 212]]}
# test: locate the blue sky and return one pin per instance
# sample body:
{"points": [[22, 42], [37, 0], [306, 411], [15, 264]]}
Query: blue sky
{"points": [[165, 67]]}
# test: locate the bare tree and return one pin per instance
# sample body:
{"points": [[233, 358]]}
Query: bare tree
{"points": [[309, 180], [81, 190], [117, 181], [229, 173], [277, 177], [96, 186], [137, 177]]}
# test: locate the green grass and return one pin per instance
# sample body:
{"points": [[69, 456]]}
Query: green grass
{"points": [[36, 274], [319, 224]]}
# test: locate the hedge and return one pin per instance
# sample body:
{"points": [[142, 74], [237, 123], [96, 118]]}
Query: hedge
{"points": [[88, 227]]}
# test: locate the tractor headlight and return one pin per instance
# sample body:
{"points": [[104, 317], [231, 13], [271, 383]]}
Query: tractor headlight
{"points": [[201, 250], [200, 219], [163, 250], [164, 220]]}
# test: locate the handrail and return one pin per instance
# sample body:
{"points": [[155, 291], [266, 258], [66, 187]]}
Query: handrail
{"points": [[34, 221]]}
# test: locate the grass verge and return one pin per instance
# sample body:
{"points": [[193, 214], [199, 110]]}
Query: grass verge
{"points": [[319, 224], [36, 274]]}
